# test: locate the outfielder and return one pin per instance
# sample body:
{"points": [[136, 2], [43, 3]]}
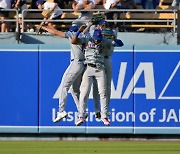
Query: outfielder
{"points": [[94, 61], [73, 74], [98, 22], [110, 35]]}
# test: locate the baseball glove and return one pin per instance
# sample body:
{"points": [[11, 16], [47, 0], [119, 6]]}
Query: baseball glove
{"points": [[46, 13], [96, 18], [108, 33]]}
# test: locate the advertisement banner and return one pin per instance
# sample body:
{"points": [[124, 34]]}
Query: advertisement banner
{"points": [[156, 89], [140, 102], [19, 88], [145, 91], [53, 62]]}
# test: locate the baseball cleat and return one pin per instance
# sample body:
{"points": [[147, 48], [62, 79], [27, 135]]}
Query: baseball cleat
{"points": [[60, 116], [80, 121], [98, 114], [105, 121], [85, 115]]}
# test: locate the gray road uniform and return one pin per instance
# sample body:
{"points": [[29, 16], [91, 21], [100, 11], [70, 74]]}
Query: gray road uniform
{"points": [[108, 71], [72, 76], [94, 61]]}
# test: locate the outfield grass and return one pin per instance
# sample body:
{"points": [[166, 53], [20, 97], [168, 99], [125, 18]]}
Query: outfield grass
{"points": [[89, 147]]}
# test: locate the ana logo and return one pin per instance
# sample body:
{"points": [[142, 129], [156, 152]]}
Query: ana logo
{"points": [[149, 88]]}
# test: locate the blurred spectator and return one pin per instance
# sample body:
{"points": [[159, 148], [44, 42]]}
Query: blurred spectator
{"points": [[117, 4], [4, 4], [149, 4], [84, 15], [20, 5], [112, 4], [61, 3], [100, 4], [74, 3], [137, 2], [37, 4], [68, 4], [175, 3], [65, 4], [56, 12], [128, 4]]}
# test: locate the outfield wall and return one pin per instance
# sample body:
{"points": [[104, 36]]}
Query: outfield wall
{"points": [[145, 91]]}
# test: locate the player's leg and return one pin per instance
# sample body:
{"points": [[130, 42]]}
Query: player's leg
{"points": [[84, 94], [108, 71], [101, 81], [96, 99], [68, 79], [75, 88]]}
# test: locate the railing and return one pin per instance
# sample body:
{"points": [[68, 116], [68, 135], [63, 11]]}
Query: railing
{"points": [[170, 21]]}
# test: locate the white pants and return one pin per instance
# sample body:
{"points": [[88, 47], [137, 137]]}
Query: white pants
{"points": [[108, 71], [71, 78], [90, 74]]}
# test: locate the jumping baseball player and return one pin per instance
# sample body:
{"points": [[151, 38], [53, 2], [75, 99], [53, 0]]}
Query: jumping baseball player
{"points": [[95, 69], [111, 35], [73, 74], [96, 22]]}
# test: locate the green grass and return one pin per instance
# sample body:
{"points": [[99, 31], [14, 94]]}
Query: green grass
{"points": [[89, 147]]}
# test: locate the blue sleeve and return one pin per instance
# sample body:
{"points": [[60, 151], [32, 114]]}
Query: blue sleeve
{"points": [[118, 43]]}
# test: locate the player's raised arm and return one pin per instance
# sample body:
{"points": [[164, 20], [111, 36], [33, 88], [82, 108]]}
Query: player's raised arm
{"points": [[75, 39], [54, 31]]}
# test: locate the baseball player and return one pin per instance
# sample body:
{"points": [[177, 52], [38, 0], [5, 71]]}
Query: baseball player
{"points": [[96, 22], [111, 35], [73, 74], [95, 69]]}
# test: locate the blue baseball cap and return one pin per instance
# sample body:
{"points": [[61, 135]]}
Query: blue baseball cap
{"points": [[73, 28], [103, 22], [97, 35]]}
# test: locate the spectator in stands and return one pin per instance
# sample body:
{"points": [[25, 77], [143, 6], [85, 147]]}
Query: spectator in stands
{"points": [[100, 4], [84, 15], [149, 4], [37, 4], [138, 3], [4, 4], [117, 4], [55, 10], [128, 4], [20, 5], [65, 4], [68, 4], [112, 4], [175, 3]]}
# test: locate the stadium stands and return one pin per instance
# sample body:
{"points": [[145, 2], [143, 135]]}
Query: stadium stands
{"points": [[163, 17]]}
